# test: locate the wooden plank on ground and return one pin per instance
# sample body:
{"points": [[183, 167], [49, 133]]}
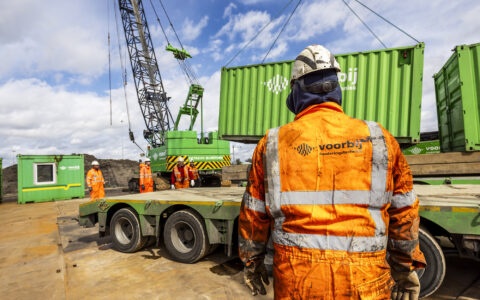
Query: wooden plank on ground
{"points": [[443, 158], [445, 169]]}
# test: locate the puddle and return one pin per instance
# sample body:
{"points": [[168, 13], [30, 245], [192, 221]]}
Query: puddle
{"points": [[229, 268]]}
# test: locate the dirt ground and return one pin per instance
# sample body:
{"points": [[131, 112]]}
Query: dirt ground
{"points": [[44, 254]]}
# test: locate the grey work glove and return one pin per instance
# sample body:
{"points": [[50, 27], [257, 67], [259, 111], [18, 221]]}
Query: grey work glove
{"points": [[407, 286], [143, 187], [255, 274], [172, 187], [192, 182]]}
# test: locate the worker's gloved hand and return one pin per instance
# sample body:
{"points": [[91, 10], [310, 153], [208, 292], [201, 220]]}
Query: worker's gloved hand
{"points": [[143, 187], [90, 188], [407, 286], [192, 182], [172, 187], [255, 274]]}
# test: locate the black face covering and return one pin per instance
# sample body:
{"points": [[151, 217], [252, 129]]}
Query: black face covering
{"points": [[300, 98]]}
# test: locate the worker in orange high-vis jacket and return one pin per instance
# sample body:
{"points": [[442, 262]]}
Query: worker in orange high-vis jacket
{"points": [[194, 177], [95, 181], [146, 180], [335, 195], [180, 178]]}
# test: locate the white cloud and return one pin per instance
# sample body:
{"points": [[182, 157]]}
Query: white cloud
{"points": [[38, 118], [251, 2], [229, 9], [65, 37], [191, 30], [243, 27]]}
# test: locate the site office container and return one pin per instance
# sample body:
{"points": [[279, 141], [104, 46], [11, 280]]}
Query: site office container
{"points": [[457, 89], [44, 178], [382, 85]]}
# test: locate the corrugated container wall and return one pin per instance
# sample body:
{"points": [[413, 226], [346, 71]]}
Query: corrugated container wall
{"points": [[383, 86], [457, 89], [44, 178]]}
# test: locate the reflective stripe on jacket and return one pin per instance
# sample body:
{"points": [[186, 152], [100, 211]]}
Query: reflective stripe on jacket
{"points": [[193, 173], [333, 193], [95, 181], [183, 175]]}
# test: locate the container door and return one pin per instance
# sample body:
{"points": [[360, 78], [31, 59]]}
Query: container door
{"points": [[452, 123]]}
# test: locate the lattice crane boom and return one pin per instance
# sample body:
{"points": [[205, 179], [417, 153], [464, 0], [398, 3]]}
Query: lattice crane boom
{"points": [[151, 94]]}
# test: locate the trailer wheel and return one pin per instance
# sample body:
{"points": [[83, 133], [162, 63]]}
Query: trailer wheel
{"points": [[185, 236], [432, 276], [125, 231]]}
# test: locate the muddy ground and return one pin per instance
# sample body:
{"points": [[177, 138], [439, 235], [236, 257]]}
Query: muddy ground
{"points": [[44, 254]]}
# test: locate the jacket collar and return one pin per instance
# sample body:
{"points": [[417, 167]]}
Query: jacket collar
{"points": [[327, 106]]}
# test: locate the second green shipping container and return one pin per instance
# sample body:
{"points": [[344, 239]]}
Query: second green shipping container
{"points": [[43, 178], [457, 89], [383, 85]]}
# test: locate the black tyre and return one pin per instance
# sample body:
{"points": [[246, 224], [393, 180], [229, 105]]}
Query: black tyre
{"points": [[432, 276], [185, 236], [133, 185], [125, 231]]}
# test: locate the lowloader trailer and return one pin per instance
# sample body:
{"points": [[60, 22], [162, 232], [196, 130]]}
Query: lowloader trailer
{"points": [[193, 222]]}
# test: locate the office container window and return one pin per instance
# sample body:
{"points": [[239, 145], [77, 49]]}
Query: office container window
{"points": [[45, 173]]}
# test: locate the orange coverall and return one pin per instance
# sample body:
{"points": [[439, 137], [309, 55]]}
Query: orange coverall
{"points": [[181, 177], [334, 193], [146, 179], [193, 172], [95, 181]]}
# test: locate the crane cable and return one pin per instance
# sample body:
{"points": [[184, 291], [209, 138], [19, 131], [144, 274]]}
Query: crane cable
{"points": [[378, 15], [281, 30], [381, 17], [185, 73], [124, 78], [258, 33], [365, 24], [185, 66], [109, 61]]}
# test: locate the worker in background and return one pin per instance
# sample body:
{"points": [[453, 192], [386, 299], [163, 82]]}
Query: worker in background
{"points": [[193, 173], [335, 194], [146, 180], [181, 175], [95, 182]]}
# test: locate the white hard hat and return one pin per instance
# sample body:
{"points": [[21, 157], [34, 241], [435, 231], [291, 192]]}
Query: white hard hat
{"points": [[180, 159], [147, 159], [311, 59], [95, 163]]}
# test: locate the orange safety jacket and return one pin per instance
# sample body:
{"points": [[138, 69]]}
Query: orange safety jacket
{"points": [[146, 179], [193, 172], [95, 181], [182, 180], [334, 194]]}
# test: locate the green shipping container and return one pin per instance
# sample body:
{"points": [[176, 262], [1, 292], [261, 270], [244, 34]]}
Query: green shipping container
{"points": [[44, 178], [457, 89], [382, 85]]}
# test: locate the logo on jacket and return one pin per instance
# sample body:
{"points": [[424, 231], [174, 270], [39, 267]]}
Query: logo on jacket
{"points": [[304, 149], [276, 84]]}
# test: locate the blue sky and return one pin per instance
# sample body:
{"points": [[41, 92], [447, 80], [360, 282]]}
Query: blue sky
{"points": [[54, 75]]}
